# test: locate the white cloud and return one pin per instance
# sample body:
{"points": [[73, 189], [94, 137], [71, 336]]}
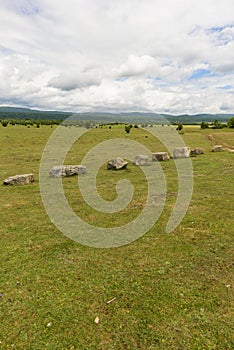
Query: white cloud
{"points": [[72, 79], [118, 55], [138, 65]]}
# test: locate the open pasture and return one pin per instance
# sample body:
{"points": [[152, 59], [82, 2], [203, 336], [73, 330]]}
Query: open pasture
{"points": [[173, 291]]}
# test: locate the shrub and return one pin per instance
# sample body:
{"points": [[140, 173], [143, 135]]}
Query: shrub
{"points": [[4, 123], [231, 123], [216, 124], [179, 127], [204, 125], [127, 128]]}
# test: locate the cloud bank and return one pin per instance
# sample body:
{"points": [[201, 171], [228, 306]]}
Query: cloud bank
{"points": [[108, 55]]}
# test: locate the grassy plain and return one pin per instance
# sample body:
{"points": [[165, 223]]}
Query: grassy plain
{"points": [[173, 291]]}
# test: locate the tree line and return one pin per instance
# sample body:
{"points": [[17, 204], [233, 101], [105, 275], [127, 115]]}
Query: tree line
{"points": [[216, 124]]}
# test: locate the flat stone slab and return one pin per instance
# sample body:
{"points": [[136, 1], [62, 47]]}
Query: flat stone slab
{"points": [[22, 179], [160, 156], [217, 148], [67, 170], [141, 160], [181, 152], [117, 164]]}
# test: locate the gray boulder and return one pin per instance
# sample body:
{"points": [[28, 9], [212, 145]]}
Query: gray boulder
{"points": [[67, 170], [217, 148], [196, 151], [22, 179], [117, 164], [160, 156], [181, 152], [141, 160]]}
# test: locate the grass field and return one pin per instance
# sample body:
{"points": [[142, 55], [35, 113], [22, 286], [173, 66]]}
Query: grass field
{"points": [[173, 291]]}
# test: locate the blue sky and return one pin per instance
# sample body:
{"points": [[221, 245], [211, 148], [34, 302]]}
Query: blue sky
{"points": [[125, 55], [200, 73]]}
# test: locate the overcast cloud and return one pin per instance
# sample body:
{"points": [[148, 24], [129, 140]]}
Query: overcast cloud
{"points": [[163, 56]]}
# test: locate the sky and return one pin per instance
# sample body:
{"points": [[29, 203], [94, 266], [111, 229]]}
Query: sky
{"points": [[161, 56]]}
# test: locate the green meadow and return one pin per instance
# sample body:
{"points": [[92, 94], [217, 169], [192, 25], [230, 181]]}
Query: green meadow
{"points": [[167, 290]]}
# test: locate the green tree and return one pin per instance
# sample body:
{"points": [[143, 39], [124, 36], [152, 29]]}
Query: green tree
{"points": [[217, 124], [127, 128], [179, 127], [231, 122], [88, 124], [4, 123], [204, 125]]}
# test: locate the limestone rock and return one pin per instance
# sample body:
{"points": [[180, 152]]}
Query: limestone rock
{"points": [[117, 163], [81, 169], [141, 160], [67, 170], [217, 148], [22, 179], [181, 152], [196, 151], [160, 156]]}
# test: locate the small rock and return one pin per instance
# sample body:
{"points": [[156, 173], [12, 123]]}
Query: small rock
{"points": [[67, 170], [196, 151], [217, 148], [23, 179], [96, 320], [117, 164], [181, 152], [49, 324], [160, 156], [141, 160]]}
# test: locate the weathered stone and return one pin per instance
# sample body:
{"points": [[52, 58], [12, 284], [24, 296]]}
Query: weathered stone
{"points": [[217, 148], [181, 152], [160, 156], [81, 169], [67, 170], [22, 179], [141, 160], [117, 163], [196, 151]]}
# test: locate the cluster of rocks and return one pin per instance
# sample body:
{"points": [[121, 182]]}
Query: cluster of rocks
{"points": [[56, 171], [180, 152], [114, 164], [120, 163]]}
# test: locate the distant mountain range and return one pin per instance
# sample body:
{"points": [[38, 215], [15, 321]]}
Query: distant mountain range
{"points": [[132, 117]]}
